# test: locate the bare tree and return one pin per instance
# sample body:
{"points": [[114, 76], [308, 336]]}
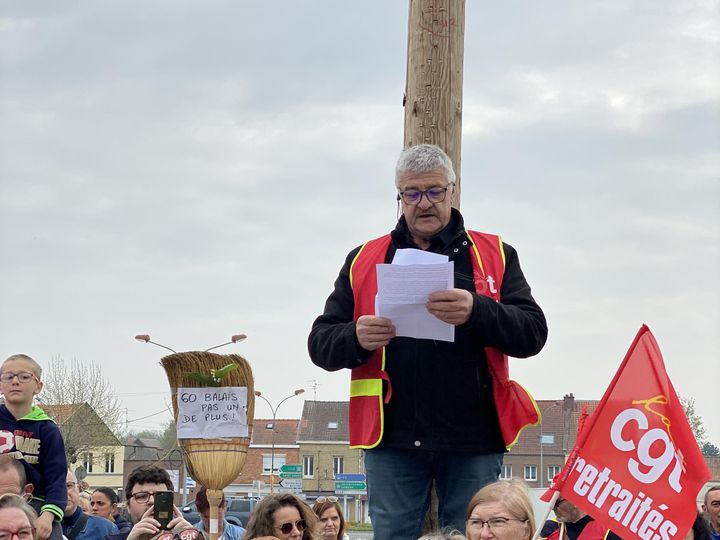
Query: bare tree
{"points": [[78, 382], [694, 419]]}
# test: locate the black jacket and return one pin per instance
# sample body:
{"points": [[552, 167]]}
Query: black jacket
{"points": [[441, 391]]}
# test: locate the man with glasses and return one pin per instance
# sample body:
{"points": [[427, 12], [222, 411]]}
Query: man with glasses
{"points": [[140, 489], [430, 410], [78, 525]]}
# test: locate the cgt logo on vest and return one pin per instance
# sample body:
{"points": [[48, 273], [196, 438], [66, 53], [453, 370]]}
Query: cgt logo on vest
{"points": [[491, 284]]}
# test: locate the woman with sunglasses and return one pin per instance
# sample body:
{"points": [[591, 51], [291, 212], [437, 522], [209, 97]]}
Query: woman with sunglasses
{"points": [[282, 516], [17, 518], [501, 510], [331, 519]]}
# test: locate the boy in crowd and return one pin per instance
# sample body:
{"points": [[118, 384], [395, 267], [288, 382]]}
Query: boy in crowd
{"points": [[31, 436]]}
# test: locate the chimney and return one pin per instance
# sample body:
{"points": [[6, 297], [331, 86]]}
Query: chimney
{"points": [[568, 408]]}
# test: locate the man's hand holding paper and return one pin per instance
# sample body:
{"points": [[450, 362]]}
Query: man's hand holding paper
{"points": [[453, 306], [374, 332], [405, 295]]}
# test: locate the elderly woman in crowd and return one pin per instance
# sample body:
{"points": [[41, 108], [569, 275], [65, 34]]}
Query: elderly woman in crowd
{"points": [[331, 524], [282, 516], [501, 510], [17, 518]]}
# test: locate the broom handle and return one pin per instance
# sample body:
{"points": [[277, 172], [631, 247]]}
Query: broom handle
{"points": [[215, 499]]}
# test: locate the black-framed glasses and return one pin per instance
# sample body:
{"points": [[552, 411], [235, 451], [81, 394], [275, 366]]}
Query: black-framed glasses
{"points": [[286, 528], [434, 194], [495, 524], [327, 499], [23, 376], [142, 496]]}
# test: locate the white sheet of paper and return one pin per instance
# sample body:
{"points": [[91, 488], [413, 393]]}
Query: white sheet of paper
{"points": [[403, 290], [418, 256], [212, 413]]}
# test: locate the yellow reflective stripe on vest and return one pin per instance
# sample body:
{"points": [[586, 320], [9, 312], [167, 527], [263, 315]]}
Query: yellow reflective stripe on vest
{"points": [[502, 249], [352, 264], [366, 387], [478, 258]]}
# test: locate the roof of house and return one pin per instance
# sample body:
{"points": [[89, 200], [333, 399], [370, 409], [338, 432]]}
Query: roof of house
{"points": [[133, 440], [552, 428], [285, 430], [324, 421], [81, 417]]}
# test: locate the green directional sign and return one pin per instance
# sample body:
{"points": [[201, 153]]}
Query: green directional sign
{"points": [[291, 469], [346, 486], [290, 474]]}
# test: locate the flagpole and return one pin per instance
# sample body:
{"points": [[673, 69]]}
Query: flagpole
{"points": [[541, 523]]}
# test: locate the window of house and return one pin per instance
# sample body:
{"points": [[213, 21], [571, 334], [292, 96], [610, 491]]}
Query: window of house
{"points": [[268, 462], [308, 466], [269, 425], [552, 471], [506, 472], [530, 473], [88, 462], [110, 462], [332, 425], [338, 465]]}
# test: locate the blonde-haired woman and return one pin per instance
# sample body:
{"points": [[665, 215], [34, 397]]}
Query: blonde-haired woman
{"points": [[501, 510]]}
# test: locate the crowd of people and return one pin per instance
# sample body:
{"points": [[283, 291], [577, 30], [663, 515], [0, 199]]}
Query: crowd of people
{"points": [[410, 399]]}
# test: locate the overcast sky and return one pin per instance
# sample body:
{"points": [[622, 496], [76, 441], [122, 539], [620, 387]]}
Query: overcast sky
{"points": [[196, 169]]}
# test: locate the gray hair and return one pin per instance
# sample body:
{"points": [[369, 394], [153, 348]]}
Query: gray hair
{"points": [[424, 158]]}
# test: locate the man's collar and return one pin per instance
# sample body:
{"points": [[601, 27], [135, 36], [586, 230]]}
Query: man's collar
{"points": [[401, 235], [72, 518]]}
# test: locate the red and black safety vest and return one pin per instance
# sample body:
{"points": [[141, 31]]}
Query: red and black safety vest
{"points": [[515, 406]]}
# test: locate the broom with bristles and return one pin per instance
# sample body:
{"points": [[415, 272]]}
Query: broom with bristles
{"points": [[214, 463]]}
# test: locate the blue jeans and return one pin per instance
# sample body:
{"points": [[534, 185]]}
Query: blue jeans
{"points": [[399, 483]]}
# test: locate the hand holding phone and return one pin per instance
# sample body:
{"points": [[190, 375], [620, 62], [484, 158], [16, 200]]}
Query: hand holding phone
{"points": [[163, 508]]}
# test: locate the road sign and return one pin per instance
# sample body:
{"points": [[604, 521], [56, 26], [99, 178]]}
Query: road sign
{"points": [[291, 475], [350, 477], [345, 486], [291, 483], [291, 468]]}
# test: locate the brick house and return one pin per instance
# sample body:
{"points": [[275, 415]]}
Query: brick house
{"points": [[541, 450], [325, 452], [273, 444]]}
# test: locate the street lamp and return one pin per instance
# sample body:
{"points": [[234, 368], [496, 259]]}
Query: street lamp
{"points": [[542, 413], [274, 414], [234, 339]]}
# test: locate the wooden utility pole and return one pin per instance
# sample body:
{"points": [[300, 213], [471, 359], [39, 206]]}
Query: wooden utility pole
{"points": [[433, 97], [433, 90]]}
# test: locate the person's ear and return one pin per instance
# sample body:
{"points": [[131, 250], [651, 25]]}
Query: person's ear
{"points": [[38, 387]]}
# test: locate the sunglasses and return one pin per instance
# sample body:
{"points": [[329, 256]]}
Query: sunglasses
{"points": [[187, 534], [326, 499], [286, 528]]}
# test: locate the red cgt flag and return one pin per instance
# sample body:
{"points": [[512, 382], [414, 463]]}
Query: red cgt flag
{"points": [[636, 467]]}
